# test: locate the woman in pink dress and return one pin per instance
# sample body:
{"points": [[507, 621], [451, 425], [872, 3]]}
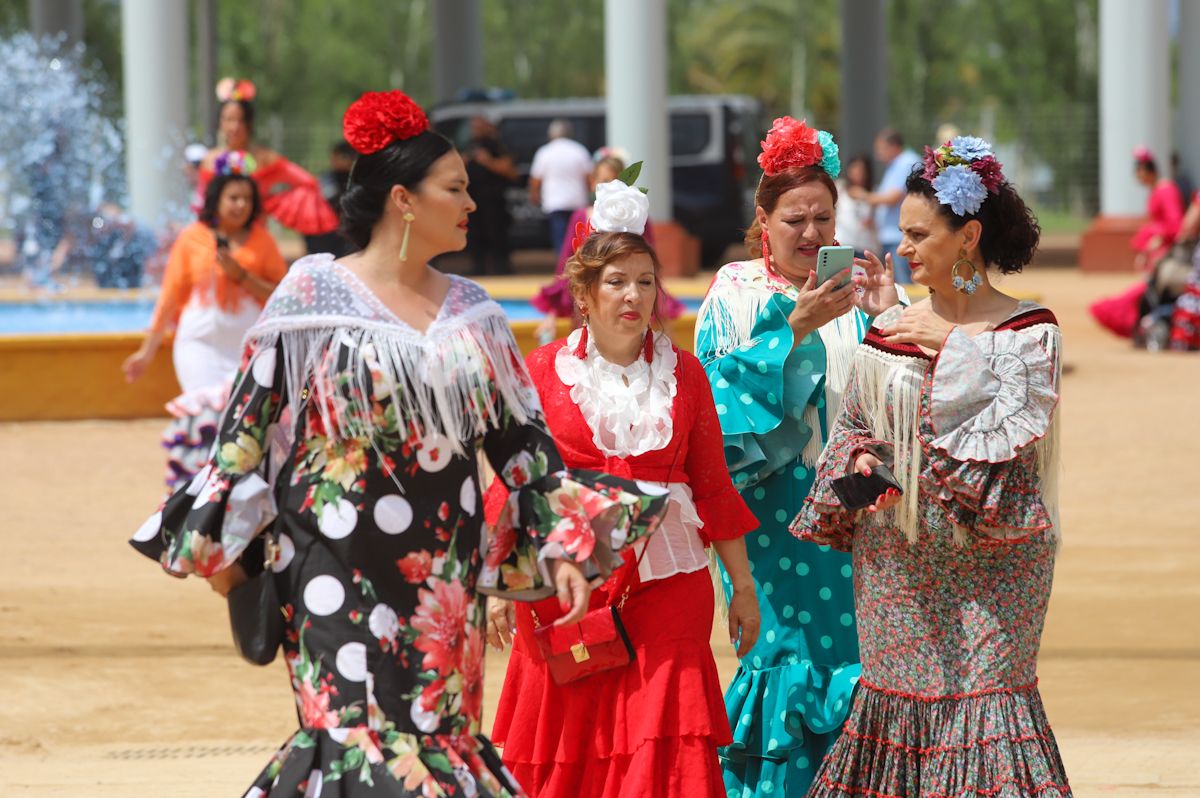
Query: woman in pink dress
{"points": [[1153, 239]]}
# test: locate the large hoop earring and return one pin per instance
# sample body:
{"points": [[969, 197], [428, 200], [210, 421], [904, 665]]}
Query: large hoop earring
{"points": [[967, 285], [408, 220]]}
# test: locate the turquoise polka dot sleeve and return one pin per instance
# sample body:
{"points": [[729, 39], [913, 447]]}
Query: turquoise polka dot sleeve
{"points": [[761, 387]]}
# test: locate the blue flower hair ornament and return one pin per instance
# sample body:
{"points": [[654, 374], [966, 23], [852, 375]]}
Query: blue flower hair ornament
{"points": [[963, 171]]}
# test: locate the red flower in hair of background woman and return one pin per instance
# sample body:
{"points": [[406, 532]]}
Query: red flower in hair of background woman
{"points": [[789, 144], [378, 118]]}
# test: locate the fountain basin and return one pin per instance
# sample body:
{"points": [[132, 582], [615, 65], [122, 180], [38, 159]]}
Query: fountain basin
{"points": [[48, 374]]}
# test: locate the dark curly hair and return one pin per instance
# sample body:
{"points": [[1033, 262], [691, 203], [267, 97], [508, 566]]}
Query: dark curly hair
{"points": [[212, 198], [401, 163], [1010, 230]]}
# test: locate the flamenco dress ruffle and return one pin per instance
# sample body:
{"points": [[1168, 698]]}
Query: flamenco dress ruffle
{"points": [[649, 728]]}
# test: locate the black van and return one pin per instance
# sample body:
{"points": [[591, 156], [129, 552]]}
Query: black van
{"points": [[714, 151]]}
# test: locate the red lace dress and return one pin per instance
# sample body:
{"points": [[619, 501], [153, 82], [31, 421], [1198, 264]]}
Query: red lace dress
{"points": [[651, 728]]}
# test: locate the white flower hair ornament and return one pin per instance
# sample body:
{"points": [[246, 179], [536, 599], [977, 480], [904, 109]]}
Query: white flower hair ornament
{"points": [[621, 207]]}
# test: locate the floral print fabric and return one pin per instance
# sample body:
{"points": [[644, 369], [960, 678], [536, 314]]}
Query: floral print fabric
{"points": [[383, 562], [949, 623]]}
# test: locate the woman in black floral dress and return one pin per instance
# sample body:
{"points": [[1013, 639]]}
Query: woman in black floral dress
{"points": [[366, 390]]}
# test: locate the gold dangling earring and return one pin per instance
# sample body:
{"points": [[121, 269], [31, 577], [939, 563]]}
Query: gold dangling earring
{"points": [[408, 219], [970, 284]]}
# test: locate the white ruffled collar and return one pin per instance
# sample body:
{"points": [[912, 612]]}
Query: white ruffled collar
{"points": [[628, 408]]}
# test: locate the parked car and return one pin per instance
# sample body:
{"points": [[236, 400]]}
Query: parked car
{"points": [[714, 147]]}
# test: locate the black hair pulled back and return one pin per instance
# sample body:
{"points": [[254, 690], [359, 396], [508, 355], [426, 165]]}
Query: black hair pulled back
{"points": [[401, 163], [1010, 232]]}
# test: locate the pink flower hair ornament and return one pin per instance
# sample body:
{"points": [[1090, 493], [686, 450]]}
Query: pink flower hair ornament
{"points": [[234, 90]]}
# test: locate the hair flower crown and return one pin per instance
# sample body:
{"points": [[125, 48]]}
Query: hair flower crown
{"points": [[235, 162], [234, 90], [963, 171], [620, 207], [378, 118], [791, 144]]}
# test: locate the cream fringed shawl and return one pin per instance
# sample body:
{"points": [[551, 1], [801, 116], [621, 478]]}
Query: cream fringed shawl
{"points": [[362, 364]]}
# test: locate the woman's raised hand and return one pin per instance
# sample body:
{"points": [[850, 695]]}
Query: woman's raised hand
{"points": [[816, 305], [878, 284]]}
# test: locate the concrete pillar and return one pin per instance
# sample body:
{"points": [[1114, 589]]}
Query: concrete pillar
{"points": [[457, 47], [206, 70], [55, 17], [864, 76], [1134, 88], [155, 58], [1189, 89], [635, 73]]}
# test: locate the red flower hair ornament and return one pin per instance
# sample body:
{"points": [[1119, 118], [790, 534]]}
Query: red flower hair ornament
{"points": [[378, 118], [792, 144]]}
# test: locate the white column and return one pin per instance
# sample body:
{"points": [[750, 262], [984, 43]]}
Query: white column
{"points": [[1189, 88], [1134, 87], [155, 58], [635, 73], [457, 47]]}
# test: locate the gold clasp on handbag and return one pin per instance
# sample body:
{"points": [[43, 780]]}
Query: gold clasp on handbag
{"points": [[580, 653], [272, 550]]}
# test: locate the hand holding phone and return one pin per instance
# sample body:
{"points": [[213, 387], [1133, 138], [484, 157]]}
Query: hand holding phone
{"points": [[832, 261]]}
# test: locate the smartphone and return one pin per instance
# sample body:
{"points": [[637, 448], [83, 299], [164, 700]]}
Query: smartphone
{"points": [[831, 261], [856, 491]]}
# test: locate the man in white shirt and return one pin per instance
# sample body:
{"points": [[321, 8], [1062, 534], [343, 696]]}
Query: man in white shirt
{"points": [[898, 162], [558, 179]]}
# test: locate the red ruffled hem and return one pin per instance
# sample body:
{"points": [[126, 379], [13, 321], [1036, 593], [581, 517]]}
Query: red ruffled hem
{"points": [[676, 767]]}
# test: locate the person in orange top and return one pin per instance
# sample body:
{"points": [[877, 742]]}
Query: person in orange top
{"points": [[221, 270], [290, 194]]}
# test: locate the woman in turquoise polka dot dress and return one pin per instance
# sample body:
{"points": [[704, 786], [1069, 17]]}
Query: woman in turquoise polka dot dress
{"points": [[777, 349]]}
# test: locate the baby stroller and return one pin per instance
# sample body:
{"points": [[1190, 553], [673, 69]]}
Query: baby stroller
{"points": [[1166, 283]]}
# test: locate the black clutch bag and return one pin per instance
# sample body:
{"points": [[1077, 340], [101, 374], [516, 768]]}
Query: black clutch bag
{"points": [[255, 614]]}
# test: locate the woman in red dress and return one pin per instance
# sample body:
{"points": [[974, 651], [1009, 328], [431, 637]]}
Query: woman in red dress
{"points": [[620, 398], [290, 194]]}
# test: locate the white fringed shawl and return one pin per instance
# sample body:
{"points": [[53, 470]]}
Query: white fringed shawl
{"points": [[342, 343]]}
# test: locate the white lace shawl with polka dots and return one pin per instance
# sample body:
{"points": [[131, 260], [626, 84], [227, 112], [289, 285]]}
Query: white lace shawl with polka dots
{"points": [[339, 340]]}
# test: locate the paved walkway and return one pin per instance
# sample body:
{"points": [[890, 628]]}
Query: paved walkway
{"points": [[119, 681]]}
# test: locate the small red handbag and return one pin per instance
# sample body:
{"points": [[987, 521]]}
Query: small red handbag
{"points": [[597, 643]]}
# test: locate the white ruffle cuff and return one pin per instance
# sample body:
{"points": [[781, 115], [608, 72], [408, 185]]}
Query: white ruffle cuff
{"points": [[992, 395]]}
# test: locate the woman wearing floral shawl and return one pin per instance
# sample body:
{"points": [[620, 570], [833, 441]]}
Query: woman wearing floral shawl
{"points": [[367, 388]]}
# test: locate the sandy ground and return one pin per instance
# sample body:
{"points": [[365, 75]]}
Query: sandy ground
{"points": [[120, 681]]}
